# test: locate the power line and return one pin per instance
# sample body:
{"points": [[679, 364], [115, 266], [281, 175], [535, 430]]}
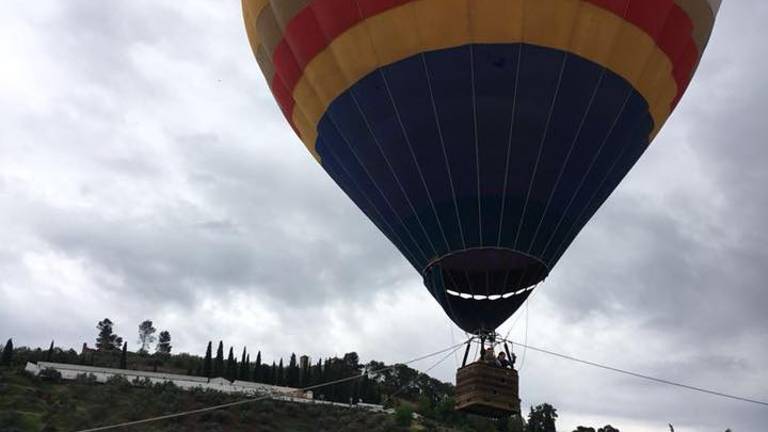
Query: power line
{"points": [[251, 400], [642, 376]]}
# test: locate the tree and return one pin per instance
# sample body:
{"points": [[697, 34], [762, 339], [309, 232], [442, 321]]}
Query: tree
{"points": [[608, 428], [319, 375], [164, 343], [146, 336], [292, 375], [584, 429], [257, 375], [218, 363], [231, 371], [124, 357], [207, 362], [245, 366], [107, 339], [49, 354], [280, 378], [273, 374], [7, 356], [542, 418]]}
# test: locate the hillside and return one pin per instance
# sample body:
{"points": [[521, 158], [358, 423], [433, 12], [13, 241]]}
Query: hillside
{"points": [[31, 404]]}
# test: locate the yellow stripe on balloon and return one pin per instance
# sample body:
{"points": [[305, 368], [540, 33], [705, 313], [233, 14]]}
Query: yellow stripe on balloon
{"points": [[570, 25]]}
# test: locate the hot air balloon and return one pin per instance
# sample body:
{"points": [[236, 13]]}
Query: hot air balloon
{"points": [[480, 136]]}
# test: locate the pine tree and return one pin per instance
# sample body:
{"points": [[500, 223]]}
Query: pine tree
{"points": [[164, 343], [124, 356], [218, 363], [207, 362], [7, 356], [146, 336], [49, 354], [107, 340], [231, 371]]}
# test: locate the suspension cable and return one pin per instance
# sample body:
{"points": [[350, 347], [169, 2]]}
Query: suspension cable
{"points": [[434, 365], [642, 376]]}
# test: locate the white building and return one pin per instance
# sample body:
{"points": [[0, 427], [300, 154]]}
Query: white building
{"points": [[187, 382], [71, 372]]}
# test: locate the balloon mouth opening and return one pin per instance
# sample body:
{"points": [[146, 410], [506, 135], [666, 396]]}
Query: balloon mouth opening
{"points": [[492, 297], [486, 273]]}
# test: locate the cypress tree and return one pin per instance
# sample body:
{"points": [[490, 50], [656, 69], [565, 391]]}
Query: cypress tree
{"points": [[273, 374], [280, 374], [7, 356], [49, 354], [218, 364], [318, 375], [245, 369], [242, 374], [292, 375], [124, 356], [257, 375], [207, 362], [231, 371], [306, 377]]}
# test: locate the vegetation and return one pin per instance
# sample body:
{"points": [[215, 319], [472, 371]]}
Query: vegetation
{"points": [[542, 418], [420, 402], [164, 343], [146, 336], [107, 339], [7, 356], [31, 404]]}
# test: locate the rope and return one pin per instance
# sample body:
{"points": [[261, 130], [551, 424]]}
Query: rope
{"points": [[643, 376], [445, 152], [527, 300], [251, 400], [417, 376], [525, 345]]}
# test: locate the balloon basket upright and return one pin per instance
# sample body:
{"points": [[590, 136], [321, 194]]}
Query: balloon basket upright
{"points": [[484, 388]]}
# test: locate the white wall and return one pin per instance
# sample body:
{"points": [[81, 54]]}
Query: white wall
{"points": [[70, 372], [187, 382]]}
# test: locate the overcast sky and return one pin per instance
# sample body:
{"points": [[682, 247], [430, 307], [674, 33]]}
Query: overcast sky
{"points": [[146, 173]]}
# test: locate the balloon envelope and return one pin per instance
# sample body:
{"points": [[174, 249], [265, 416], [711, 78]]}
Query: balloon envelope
{"points": [[480, 136]]}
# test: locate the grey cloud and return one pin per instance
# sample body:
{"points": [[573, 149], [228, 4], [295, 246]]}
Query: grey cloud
{"points": [[159, 167]]}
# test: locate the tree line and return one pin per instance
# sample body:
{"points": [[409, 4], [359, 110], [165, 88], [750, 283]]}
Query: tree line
{"points": [[432, 398]]}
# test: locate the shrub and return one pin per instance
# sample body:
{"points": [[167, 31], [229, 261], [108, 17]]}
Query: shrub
{"points": [[142, 382], [50, 374], [118, 380], [86, 378], [403, 415]]}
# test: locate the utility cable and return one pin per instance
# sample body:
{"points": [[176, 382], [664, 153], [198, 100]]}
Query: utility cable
{"points": [[251, 400], [643, 376]]}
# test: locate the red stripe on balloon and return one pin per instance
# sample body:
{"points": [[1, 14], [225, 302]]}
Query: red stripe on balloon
{"points": [[314, 28]]}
